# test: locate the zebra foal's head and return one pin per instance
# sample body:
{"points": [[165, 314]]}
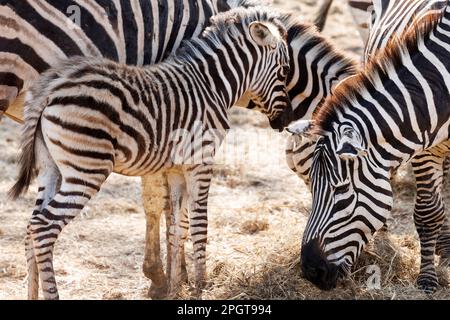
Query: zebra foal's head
{"points": [[263, 55]]}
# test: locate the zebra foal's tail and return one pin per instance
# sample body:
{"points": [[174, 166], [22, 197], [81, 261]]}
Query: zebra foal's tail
{"points": [[35, 103]]}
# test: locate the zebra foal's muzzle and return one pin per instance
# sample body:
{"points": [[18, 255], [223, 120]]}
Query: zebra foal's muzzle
{"points": [[284, 118], [316, 268]]}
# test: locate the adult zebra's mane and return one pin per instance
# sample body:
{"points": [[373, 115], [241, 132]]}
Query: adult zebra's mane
{"points": [[390, 58], [304, 37]]}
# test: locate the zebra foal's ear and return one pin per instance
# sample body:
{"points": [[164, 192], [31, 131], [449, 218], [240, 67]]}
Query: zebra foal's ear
{"points": [[264, 34], [350, 145]]}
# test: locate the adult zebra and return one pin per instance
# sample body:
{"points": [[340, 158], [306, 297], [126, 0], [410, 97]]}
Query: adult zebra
{"points": [[404, 95], [86, 118], [299, 151], [384, 13], [387, 17], [316, 67]]}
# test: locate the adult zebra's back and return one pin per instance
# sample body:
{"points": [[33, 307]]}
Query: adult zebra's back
{"points": [[386, 17]]}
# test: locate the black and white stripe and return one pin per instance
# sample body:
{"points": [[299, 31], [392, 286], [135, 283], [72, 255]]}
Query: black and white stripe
{"points": [[394, 110], [34, 35], [125, 118], [315, 69]]}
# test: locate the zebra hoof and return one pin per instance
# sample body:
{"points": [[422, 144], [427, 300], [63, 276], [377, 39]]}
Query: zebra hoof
{"points": [[196, 293], [427, 284], [157, 293]]}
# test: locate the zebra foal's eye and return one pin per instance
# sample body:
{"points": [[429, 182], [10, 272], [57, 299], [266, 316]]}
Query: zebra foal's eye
{"points": [[285, 71]]}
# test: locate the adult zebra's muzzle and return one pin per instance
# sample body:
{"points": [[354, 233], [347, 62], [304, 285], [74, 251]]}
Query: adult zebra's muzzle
{"points": [[316, 268]]}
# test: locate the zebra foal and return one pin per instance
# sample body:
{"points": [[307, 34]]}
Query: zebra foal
{"points": [[90, 117]]}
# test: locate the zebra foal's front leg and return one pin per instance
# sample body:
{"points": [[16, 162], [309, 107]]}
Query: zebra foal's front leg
{"points": [[178, 229], [198, 180], [429, 214]]}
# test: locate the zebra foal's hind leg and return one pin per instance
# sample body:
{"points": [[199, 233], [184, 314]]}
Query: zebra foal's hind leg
{"points": [[62, 200], [429, 214], [45, 226], [49, 180]]}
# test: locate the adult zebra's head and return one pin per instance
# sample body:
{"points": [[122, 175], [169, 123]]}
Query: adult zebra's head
{"points": [[352, 198]]}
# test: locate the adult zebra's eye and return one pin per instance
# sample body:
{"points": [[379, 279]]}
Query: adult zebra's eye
{"points": [[342, 188]]}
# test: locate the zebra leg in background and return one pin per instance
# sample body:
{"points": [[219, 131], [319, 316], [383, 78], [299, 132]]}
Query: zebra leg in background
{"points": [[10, 85], [428, 212], [198, 180], [179, 228], [322, 14], [3, 106], [443, 242], [155, 196]]}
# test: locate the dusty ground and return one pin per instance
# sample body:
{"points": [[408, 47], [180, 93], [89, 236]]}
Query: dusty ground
{"points": [[257, 214]]}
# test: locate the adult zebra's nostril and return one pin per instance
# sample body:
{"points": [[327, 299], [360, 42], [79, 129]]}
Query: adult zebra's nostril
{"points": [[316, 267]]}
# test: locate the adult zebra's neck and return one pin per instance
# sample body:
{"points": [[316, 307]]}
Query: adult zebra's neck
{"points": [[317, 67]]}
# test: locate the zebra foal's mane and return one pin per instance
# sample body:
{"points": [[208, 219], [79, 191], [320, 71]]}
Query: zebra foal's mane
{"points": [[390, 58], [225, 26]]}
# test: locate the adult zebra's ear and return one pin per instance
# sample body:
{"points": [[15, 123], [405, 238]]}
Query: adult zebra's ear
{"points": [[304, 129], [265, 34], [350, 145]]}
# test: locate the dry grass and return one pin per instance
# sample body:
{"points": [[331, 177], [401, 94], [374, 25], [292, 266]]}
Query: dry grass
{"points": [[257, 213]]}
